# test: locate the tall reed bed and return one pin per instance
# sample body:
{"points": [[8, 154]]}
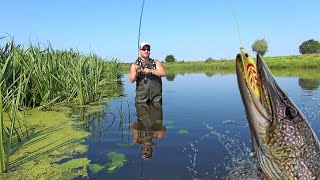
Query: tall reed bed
{"points": [[38, 76]]}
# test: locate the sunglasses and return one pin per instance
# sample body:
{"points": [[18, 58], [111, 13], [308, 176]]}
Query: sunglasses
{"points": [[145, 49]]}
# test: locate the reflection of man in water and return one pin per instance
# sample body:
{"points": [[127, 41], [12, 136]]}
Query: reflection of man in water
{"points": [[148, 126]]}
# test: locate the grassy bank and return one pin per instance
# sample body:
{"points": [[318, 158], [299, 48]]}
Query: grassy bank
{"points": [[291, 64], [306, 61], [37, 76], [311, 61]]}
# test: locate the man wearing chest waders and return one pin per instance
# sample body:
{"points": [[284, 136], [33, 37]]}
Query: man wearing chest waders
{"points": [[147, 73]]}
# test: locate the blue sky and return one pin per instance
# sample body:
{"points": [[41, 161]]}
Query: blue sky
{"points": [[189, 29]]}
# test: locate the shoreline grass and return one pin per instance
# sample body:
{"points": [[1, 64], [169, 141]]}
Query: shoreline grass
{"points": [[37, 76], [307, 61], [304, 67], [296, 65]]}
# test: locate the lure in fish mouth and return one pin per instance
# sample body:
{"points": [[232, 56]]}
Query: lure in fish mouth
{"points": [[284, 143]]}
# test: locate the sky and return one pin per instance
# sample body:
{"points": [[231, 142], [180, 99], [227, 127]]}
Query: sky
{"points": [[190, 30]]}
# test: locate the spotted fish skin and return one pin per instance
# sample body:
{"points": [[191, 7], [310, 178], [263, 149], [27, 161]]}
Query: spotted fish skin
{"points": [[284, 143]]}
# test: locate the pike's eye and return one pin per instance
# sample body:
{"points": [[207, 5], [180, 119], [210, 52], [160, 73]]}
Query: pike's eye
{"points": [[291, 112], [246, 55], [238, 56]]}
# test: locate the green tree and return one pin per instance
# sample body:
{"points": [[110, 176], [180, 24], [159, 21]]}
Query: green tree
{"points": [[309, 47], [170, 58], [260, 46], [210, 59]]}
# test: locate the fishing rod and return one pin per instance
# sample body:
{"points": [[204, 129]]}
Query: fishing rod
{"points": [[141, 13]]}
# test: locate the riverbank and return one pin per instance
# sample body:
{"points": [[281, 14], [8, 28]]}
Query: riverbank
{"points": [[280, 63], [307, 61]]}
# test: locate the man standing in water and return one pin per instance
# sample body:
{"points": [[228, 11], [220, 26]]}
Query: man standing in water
{"points": [[147, 73]]}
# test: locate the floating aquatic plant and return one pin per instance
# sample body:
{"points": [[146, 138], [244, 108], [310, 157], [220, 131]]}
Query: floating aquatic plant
{"points": [[95, 168], [183, 131], [168, 122], [117, 161]]}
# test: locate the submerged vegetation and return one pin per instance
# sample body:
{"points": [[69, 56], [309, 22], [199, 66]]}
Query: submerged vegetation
{"points": [[37, 76]]}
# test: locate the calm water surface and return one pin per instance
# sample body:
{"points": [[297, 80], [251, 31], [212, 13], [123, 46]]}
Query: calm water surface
{"points": [[203, 133]]}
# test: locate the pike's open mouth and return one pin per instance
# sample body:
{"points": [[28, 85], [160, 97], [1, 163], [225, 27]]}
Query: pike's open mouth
{"points": [[257, 83], [251, 87]]}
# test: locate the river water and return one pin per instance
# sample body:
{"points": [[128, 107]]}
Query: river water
{"points": [[199, 132]]}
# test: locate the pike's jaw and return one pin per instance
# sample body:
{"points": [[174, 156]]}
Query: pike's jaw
{"points": [[257, 115]]}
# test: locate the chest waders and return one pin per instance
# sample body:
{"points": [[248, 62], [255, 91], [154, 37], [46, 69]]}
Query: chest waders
{"points": [[148, 86]]}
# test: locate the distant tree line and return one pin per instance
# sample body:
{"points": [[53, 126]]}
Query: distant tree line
{"points": [[310, 46], [260, 46]]}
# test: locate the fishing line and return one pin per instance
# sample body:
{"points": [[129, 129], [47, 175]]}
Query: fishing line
{"points": [[235, 18], [141, 13]]}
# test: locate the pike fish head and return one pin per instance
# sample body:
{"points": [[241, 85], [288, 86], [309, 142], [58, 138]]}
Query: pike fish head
{"points": [[258, 117], [286, 118], [286, 145], [270, 111]]}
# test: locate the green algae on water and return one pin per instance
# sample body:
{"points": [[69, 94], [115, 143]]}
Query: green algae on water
{"points": [[54, 139], [75, 163]]}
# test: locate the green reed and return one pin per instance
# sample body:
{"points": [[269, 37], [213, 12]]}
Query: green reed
{"points": [[40, 77], [2, 152]]}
